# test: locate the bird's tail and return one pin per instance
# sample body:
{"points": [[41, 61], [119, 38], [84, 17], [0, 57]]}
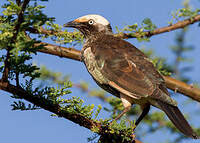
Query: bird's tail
{"points": [[177, 118]]}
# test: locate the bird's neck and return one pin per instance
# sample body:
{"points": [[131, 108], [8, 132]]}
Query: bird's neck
{"points": [[94, 36]]}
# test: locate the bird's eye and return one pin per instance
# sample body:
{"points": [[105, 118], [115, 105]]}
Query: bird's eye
{"points": [[91, 22]]}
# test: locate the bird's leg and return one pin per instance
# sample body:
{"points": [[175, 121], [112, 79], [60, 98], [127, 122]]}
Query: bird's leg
{"points": [[126, 109], [126, 101], [143, 114]]}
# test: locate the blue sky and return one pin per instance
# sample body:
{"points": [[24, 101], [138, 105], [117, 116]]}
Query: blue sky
{"points": [[38, 126]]}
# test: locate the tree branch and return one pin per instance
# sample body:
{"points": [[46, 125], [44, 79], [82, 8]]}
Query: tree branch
{"points": [[43, 31], [20, 18], [74, 54], [60, 51], [183, 88], [178, 25], [16, 31], [46, 104]]}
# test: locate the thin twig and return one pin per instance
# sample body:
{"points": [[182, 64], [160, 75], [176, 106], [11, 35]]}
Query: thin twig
{"points": [[43, 31]]}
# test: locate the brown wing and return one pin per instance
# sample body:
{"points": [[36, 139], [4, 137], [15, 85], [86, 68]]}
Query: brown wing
{"points": [[127, 69]]}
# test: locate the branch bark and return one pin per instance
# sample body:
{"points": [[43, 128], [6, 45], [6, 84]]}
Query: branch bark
{"points": [[183, 88], [74, 54], [60, 51]]}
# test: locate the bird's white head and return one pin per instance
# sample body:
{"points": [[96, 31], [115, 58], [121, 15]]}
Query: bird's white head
{"points": [[96, 18], [91, 24]]}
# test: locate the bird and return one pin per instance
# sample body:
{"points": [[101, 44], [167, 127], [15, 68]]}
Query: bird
{"points": [[124, 71]]}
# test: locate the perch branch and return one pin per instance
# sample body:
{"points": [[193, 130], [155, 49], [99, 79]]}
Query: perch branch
{"points": [[60, 51], [44, 103], [74, 54], [181, 87]]}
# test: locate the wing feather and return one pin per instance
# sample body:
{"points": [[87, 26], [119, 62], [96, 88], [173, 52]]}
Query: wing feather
{"points": [[127, 68]]}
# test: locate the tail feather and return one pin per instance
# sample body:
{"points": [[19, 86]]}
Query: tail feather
{"points": [[177, 118]]}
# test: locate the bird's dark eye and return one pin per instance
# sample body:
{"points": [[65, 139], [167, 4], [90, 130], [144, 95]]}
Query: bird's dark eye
{"points": [[91, 22]]}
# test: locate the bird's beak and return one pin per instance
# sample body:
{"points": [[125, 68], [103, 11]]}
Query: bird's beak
{"points": [[73, 24]]}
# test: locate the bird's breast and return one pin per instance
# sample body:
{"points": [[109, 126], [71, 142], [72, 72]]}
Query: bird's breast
{"points": [[93, 67]]}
